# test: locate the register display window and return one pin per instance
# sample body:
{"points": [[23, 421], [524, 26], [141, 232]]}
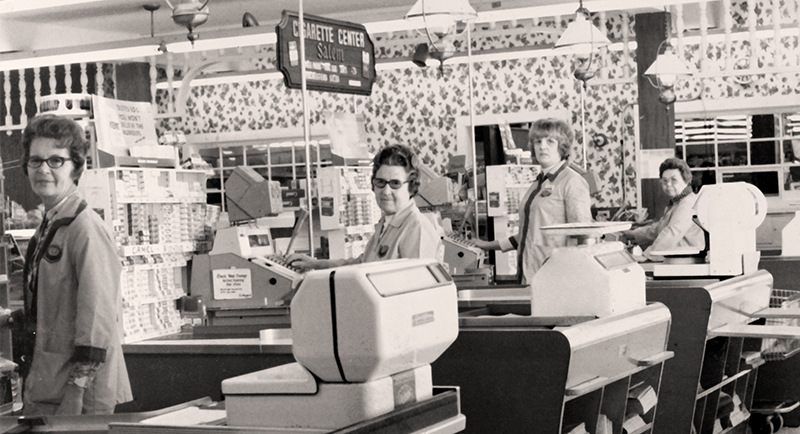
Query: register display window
{"points": [[761, 149]]}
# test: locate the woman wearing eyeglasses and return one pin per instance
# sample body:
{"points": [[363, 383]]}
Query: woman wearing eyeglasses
{"points": [[73, 361], [676, 228], [402, 232]]}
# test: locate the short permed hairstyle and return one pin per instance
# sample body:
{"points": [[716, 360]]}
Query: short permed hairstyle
{"points": [[399, 155], [676, 163], [67, 134], [551, 127]]}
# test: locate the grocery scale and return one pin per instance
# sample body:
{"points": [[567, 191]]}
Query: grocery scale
{"points": [[589, 277]]}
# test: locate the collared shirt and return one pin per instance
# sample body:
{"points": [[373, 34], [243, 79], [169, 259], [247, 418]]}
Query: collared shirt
{"points": [[406, 234], [675, 229]]}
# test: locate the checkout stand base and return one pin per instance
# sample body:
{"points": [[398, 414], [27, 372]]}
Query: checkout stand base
{"points": [[780, 379], [179, 368], [438, 415]]}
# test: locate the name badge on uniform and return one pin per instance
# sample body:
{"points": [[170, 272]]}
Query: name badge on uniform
{"points": [[53, 253], [547, 191], [383, 250]]}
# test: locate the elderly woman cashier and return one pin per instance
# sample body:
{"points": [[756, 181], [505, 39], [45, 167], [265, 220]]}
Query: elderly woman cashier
{"points": [[402, 232], [676, 228], [560, 196], [72, 310]]}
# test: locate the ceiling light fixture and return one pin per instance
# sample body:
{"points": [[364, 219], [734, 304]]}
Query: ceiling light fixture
{"points": [[190, 14], [441, 21], [582, 39], [666, 69]]}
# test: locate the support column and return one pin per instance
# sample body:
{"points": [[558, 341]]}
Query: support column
{"points": [[656, 120]]}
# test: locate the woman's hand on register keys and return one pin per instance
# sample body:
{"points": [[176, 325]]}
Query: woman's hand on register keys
{"points": [[479, 243], [303, 262]]}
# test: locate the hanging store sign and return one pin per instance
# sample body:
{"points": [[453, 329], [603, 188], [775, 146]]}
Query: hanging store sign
{"points": [[339, 56]]}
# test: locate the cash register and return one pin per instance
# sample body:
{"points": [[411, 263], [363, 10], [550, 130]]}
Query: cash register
{"points": [[461, 255], [244, 279], [364, 337]]}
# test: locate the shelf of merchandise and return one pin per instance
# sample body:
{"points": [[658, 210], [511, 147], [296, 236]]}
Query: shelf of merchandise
{"points": [[505, 186], [159, 219], [348, 209]]}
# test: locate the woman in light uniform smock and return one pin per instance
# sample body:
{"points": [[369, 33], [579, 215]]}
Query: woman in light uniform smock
{"points": [[73, 307], [402, 232], [560, 195], [676, 228]]}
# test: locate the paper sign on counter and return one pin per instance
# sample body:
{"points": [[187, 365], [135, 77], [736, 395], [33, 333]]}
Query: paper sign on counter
{"points": [[232, 284]]}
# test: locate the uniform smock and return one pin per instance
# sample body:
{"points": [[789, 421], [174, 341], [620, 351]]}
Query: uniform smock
{"points": [[675, 229], [78, 310], [562, 196], [408, 234]]}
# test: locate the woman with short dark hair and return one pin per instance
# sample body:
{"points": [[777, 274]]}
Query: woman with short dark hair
{"points": [[402, 232], [72, 361], [676, 228]]}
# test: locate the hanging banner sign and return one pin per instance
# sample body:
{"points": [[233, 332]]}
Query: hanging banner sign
{"points": [[123, 125], [340, 56]]}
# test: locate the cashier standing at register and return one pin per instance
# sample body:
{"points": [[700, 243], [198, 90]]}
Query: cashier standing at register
{"points": [[560, 195], [402, 232]]}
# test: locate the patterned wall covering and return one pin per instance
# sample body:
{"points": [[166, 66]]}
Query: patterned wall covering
{"points": [[419, 107]]}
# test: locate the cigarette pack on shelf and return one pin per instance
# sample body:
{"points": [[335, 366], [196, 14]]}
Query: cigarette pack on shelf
{"points": [[506, 185], [159, 219], [348, 210]]}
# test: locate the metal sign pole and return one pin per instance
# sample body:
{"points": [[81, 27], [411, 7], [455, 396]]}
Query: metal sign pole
{"points": [[306, 131], [472, 128]]}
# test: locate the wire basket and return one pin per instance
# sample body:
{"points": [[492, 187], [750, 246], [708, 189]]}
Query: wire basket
{"points": [[781, 349]]}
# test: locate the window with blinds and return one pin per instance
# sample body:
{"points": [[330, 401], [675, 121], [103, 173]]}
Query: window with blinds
{"points": [[762, 149]]}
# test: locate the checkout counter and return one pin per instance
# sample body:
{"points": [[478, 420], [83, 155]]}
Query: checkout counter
{"points": [[356, 359], [720, 308], [584, 355]]}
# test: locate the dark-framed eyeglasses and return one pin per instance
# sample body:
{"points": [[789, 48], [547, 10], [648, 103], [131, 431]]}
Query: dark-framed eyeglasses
{"points": [[394, 183], [53, 162]]}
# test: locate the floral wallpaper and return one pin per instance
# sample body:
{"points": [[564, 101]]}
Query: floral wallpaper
{"points": [[419, 107]]}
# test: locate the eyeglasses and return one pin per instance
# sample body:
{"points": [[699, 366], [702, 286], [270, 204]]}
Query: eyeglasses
{"points": [[53, 162], [394, 183]]}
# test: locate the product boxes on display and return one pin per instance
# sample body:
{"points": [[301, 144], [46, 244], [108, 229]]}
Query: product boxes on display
{"points": [[159, 219]]}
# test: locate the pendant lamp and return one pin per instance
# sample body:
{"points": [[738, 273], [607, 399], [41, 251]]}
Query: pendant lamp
{"points": [[190, 14], [666, 69], [440, 21], [582, 39]]}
